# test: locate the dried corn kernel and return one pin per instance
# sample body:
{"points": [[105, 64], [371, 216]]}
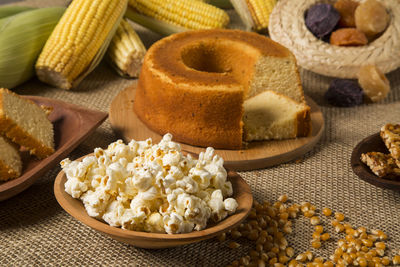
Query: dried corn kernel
{"points": [[315, 243], [339, 216], [222, 237], [233, 245], [339, 228], [380, 245], [315, 220], [289, 252], [302, 257], [325, 236], [283, 198], [316, 235], [327, 211], [396, 259], [309, 213], [319, 229], [309, 255], [385, 260]]}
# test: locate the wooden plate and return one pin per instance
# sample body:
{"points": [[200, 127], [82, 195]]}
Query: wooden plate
{"points": [[241, 192], [258, 154], [72, 124], [369, 144]]}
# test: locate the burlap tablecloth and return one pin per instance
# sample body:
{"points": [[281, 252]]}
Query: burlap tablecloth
{"points": [[35, 230]]}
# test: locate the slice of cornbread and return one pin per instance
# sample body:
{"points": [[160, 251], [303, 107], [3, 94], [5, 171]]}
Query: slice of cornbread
{"points": [[10, 160], [26, 124]]}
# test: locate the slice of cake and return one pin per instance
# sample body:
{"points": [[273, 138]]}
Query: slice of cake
{"points": [[381, 164], [26, 124], [270, 115], [390, 134], [10, 160]]}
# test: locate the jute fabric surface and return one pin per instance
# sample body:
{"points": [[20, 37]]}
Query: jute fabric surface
{"points": [[36, 231]]}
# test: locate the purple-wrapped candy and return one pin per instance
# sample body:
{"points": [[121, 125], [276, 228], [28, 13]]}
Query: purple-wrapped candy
{"points": [[321, 19], [344, 93]]}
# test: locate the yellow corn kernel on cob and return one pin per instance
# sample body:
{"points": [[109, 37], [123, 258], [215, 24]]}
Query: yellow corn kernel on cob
{"points": [[189, 14], [254, 13], [79, 41], [126, 50]]}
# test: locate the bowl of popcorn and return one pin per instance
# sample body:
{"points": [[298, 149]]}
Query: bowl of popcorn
{"points": [[337, 37], [153, 195]]}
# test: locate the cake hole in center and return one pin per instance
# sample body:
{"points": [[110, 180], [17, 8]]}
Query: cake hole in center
{"points": [[205, 57]]}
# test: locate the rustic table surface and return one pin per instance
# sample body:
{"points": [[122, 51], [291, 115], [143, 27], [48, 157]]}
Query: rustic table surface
{"points": [[35, 230]]}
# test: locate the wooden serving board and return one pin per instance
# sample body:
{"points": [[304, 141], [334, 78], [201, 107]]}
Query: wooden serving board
{"points": [[257, 155]]}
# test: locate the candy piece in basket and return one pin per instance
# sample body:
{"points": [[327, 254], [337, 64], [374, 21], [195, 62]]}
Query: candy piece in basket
{"points": [[344, 93], [346, 9], [321, 19], [371, 17], [348, 37], [151, 187], [374, 83]]}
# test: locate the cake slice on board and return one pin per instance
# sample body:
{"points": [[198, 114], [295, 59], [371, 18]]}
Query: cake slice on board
{"points": [[26, 124], [270, 115], [10, 160]]}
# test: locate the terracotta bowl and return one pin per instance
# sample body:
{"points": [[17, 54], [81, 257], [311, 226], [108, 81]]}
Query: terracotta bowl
{"points": [[241, 192]]}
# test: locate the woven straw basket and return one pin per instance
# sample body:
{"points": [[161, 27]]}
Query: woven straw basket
{"points": [[287, 27]]}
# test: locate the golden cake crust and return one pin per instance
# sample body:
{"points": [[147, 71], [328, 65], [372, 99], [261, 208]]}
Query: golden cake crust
{"points": [[193, 84], [6, 173], [17, 135]]}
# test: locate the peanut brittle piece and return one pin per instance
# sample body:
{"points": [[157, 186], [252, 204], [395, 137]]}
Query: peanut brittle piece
{"points": [[390, 134], [382, 165]]}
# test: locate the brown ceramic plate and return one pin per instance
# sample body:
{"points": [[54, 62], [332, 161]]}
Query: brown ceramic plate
{"points": [[241, 192], [72, 124], [371, 143]]}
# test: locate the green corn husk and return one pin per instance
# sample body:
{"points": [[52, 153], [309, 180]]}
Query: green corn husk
{"points": [[22, 37], [6, 11]]}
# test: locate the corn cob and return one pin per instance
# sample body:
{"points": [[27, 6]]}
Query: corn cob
{"points": [[6, 11], [126, 50], [79, 41], [188, 14], [22, 37], [254, 13]]}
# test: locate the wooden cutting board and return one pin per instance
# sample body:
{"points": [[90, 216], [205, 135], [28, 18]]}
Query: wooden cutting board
{"points": [[257, 154]]}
